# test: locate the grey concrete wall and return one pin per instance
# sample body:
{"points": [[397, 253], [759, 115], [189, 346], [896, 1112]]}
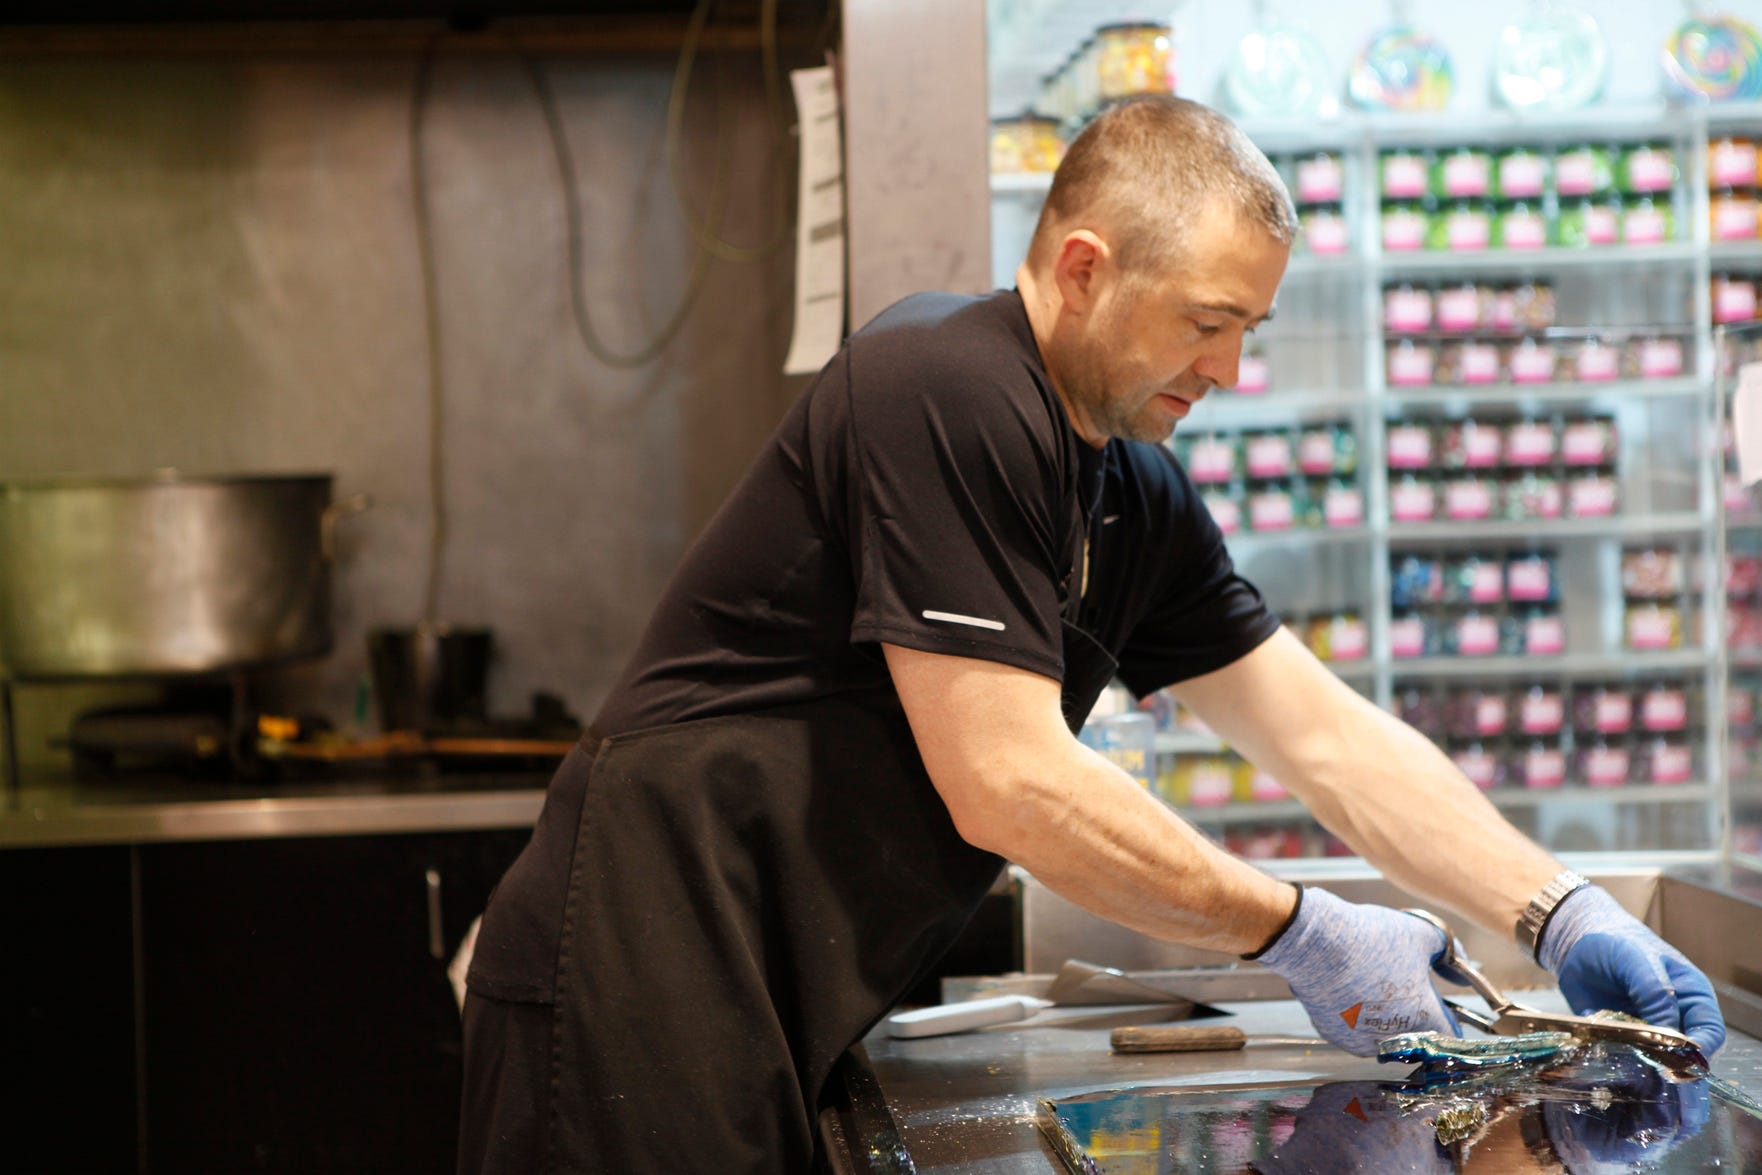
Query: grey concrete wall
{"points": [[212, 265]]}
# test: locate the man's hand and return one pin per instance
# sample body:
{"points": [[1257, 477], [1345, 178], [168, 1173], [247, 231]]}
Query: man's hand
{"points": [[1361, 972], [1608, 960]]}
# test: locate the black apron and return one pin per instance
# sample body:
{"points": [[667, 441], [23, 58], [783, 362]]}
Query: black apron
{"points": [[747, 896]]}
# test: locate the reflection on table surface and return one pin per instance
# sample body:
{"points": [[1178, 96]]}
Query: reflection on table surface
{"points": [[1603, 1108]]}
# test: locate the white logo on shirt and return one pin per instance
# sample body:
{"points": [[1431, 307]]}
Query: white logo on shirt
{"points": [[957, 618]]}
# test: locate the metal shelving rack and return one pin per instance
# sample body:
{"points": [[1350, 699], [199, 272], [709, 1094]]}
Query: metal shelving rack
{"points": [[1693, 402]]}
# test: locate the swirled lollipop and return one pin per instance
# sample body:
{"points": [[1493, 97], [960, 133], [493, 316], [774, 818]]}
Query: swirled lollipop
{"points": [[1402, 69], [1714, 60]]}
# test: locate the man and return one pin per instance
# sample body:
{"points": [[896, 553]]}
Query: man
{"points": [[857, 699]]}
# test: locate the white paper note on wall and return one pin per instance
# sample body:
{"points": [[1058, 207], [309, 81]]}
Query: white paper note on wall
{"points": [[819, 227], [1746, 422]]}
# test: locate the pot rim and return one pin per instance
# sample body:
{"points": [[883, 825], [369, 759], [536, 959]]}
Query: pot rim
{"points": [[160, 479]]}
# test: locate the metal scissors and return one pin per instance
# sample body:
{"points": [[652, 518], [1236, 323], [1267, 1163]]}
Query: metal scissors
{"points": [[1509, 1018]]}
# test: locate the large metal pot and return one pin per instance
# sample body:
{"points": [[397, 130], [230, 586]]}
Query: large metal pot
{"points": [[164, 576]]}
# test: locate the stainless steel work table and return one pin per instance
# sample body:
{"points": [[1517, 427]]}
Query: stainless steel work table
{"points": [[58, 811], [968, 1102]]}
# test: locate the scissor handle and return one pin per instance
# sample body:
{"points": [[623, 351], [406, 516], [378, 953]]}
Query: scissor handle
{"points": [[1458, 969]]}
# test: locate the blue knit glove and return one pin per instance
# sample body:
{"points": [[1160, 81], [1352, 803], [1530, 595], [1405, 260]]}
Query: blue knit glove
{"points": [[1361, 972], [1608, 960]]}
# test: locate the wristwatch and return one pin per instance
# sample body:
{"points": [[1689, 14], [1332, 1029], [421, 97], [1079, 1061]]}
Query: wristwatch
{"points": [[1541, 908]]}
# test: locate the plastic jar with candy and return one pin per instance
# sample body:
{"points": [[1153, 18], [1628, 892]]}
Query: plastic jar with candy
{"points": [[1473, 633], [1464, 306], [1462, 226], [1521, 224], [1734, 297], [1647, 220], [1603, 762], [1532, 578], [1472, 444], [1253, 372], [1664, 759], [1413, 496], [1583, 170], [1731, 160], [1589, 220], [1462, 173], [1412, 634], [1403, 173], [1409, 362], [1606, 708], [1405, 224], [1470, 495], [1029, 143], [1469, 362], [1732, 214], [1407, 308], [1533, 493], [1591, 360], [1646, 168], [1419, 707], [1541, 764], [1520, 173], [1132, 59], [1655, 356], [1664, 707], [1538, 631], [1653, 625], [1325, 231], [1476, 712], [1416, 581], [1481, 762]]}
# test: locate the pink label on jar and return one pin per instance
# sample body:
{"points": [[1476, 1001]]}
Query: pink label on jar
{"points": [[1671, 763], [1585, 442], [1403, 232], [1591, 497], [1343, 507], [1272, 510], [1575, 174], [1734, 301], [1737, 497], [1597, 362], [1732, 165], [1211, 461], [1404, 177], [1468, 231], [1529, 443], [1606, 766], [1413, 502], [1643, 226], [1521, 175], [1477, 636], [1209, 785], [1524, 232], [1407, 636], [1410, 366], [1544, 767], [1532, 364], [1648, 171], [1664, 710], [1253, 375], [1320, 180], [1479, 363], [1542, 713], [1544, 636], [1614, 713], [1269, 456], [1602, 224], [1264, 789], [1349, 639], [1504, 312], [1734, 220], [1315, 453], [1486, 584], [1481, 448], [1466, 500], [1481, 768], [1407, 310], [1649, 628], [1409, 448], [1489, 714], [1459, 308], [1226, 512], [1326, 235], [1661, 358], [1465, 175], [1528, 580]]}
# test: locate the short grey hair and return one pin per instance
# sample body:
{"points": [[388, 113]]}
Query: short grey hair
{"points": [[1141, 172]]}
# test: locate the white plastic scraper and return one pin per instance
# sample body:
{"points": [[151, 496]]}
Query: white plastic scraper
{"points": [[1077, 982]]}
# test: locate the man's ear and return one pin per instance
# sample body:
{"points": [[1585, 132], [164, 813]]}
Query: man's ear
{"points": [[1079, 268]]}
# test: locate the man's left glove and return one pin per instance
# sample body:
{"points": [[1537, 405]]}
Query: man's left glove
{"points": [[1362, 972], [1608, 960]]}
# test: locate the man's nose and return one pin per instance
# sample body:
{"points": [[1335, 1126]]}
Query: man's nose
{"points": [[1221, 365]]}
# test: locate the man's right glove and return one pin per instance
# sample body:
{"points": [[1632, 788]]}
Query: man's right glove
{"points": [[1361, 972], [1608, 960]]}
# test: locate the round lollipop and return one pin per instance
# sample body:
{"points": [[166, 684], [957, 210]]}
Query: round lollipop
{"points": [[1279, 70], [1714, 60], [1553, 58], [1402, 69]]}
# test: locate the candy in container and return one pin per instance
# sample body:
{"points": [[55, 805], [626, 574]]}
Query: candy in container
{"points": [[1401, 68]]}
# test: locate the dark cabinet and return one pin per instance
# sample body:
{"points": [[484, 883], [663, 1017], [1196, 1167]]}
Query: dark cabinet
{"points": [[67, 1024], [289, 1009], [297, 1012]]}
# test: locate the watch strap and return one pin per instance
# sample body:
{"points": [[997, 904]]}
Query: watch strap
{"points": [[1540, 910]]}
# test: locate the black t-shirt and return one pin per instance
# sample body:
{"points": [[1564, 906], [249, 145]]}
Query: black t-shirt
{"points": [[927, 490]]}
